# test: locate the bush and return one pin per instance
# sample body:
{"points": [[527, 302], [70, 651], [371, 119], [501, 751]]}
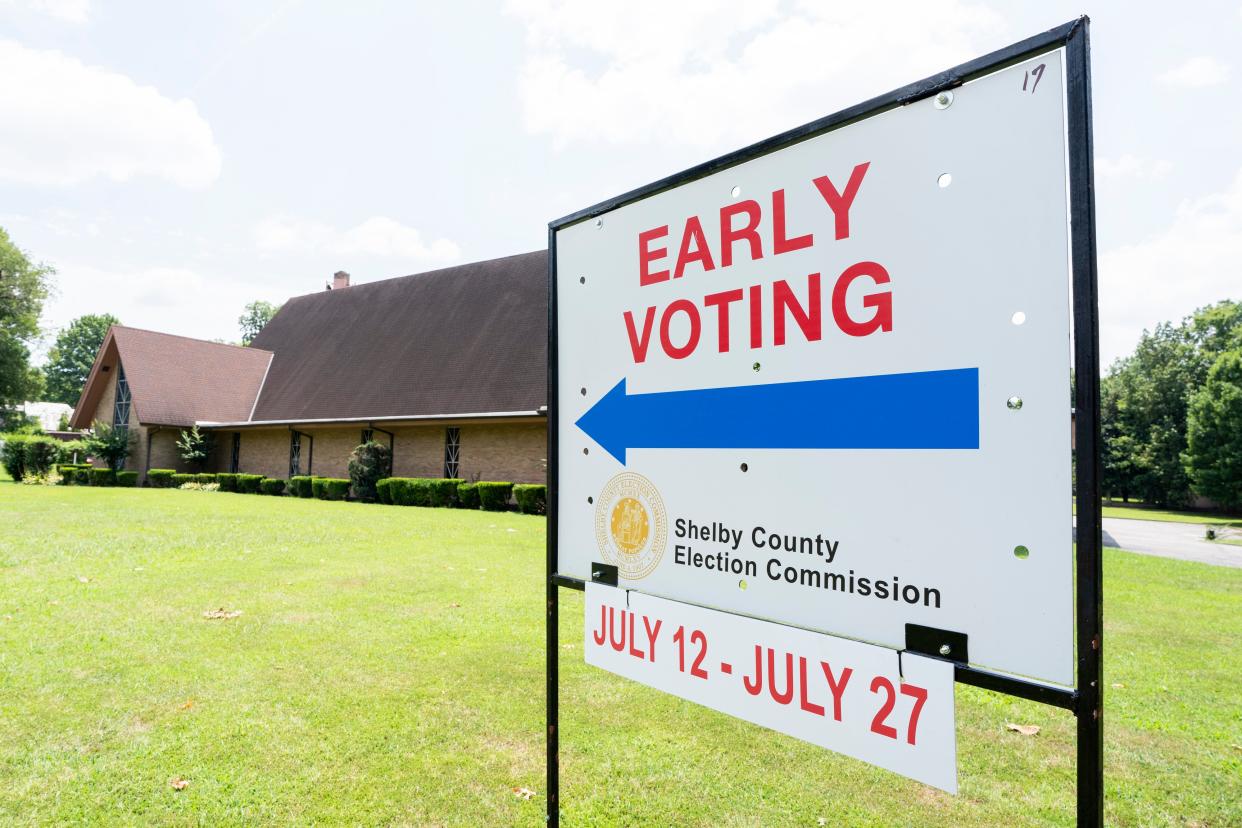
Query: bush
{"points": [[272, 486], [383, 491], [494, 496], [205, 478], [13, 455], [368, 464], [73, 452], [531, 499], [468, 495], [300, 485], [199, 487], [227, 482], [399, 491], [69, 472], [111, 445], [102, 477], [330, 488], [443, 491], [179, 480], [249, 483], [160, 478], [127, 478], [41, 453], [82, 476]]}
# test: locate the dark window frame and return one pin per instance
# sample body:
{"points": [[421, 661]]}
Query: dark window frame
{"points": [[452, 452]]}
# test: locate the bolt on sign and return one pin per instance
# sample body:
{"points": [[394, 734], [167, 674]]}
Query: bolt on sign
{"points": [[816, 390]]}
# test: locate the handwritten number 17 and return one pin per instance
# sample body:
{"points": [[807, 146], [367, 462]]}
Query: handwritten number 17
{"points": [[1037, 73]]}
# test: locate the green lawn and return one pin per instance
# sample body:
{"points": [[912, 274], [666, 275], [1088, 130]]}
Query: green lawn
{"points": [[387, 668], [1134, 511]]}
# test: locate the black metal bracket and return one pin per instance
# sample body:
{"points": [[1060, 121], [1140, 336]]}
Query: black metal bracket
{"points": [[602, 573], [930, 641]]}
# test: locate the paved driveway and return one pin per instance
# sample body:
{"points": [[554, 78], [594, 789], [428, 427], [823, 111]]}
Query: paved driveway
{"points": [[1170, 540]]}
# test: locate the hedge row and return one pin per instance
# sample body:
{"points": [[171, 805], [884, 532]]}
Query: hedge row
{"points": [[25, 454], [492, 496]]}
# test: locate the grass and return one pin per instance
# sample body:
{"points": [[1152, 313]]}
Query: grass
{"points": [[387, 668], [1134, 511]]}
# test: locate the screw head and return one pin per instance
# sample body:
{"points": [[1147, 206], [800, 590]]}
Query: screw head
{"points": [[1014, 403], [943, 100], [945, 649]]}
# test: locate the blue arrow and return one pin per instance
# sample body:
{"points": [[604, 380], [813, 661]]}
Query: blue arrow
{"points": [[923, 410]]}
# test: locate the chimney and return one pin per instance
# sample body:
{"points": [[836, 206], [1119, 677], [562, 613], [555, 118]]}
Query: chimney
{"points": [[340, 279]]}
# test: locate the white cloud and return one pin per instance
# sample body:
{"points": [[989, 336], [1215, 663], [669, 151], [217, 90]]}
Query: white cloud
{"points": [[378, 236], [175, 300], [68, 11], [704, 73], [1192, 263], [66, 122], [1132, 166], [1196, 72]]}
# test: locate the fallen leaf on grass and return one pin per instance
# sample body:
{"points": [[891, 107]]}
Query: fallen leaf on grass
{"points": [[221, 613], [1025, 730], [454, 605], [523, 793], [1118, 685], [821, 821], [188, 704], [82, 579], [178, 784]]}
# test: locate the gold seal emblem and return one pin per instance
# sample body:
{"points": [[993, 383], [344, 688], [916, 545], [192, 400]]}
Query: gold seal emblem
{"points": [[630, 525]]}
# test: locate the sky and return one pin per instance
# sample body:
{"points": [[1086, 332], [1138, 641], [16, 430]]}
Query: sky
{"points": [[174, 161]]}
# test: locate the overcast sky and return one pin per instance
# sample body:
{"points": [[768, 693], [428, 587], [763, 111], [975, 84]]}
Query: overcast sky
{"points": [[174, 161]]}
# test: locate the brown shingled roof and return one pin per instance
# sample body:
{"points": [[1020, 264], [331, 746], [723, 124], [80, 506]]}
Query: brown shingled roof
{"points": [[463, 340], [175, 380]]}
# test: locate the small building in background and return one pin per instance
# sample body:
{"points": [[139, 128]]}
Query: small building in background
{"points": [[449, 368]]}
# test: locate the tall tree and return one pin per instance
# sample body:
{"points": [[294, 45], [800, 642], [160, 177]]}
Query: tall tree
{"points": [[23, 287], [256, 317], [1144, 423], [69, 361], [1214, 433]]}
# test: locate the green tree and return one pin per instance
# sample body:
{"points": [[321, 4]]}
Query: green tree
{"points": [[194, 446], [23, 287], [369, 463], [70, 360], [1214, 433], [256, 317]]}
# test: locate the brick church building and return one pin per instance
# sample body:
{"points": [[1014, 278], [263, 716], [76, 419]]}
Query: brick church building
{"points": [[449, 368]]}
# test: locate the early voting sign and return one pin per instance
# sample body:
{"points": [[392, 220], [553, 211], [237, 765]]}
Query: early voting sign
{"points": [[829, 386], [809, 403]]}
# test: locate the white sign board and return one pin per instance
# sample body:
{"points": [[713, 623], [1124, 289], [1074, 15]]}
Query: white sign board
{"points": [[829, 386], [849, 697]]}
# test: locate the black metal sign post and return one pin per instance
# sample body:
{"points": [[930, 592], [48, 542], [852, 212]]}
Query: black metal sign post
{"points": [[1086, 701]]}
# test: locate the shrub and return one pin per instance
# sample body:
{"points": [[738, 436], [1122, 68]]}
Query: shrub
{"points": [[531, 499], [179, 480], [420, 491], [82, 476], [69, 472], [383, 490], [41, 453], [300, 485], [249, 483], [399, 491], [194, 446], [199, 487], [272, 486], [160, 478], [330, 488], [111, 445], [443, 491], [127, 478], [205, 478], [227, 481], [73, 452], [494, 496], [13, 455], [368, 464], [102, 477], [468, 495]]}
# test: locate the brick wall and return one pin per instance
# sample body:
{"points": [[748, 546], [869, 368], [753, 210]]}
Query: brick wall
{"points": [[503, 451], [506, 451]]}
